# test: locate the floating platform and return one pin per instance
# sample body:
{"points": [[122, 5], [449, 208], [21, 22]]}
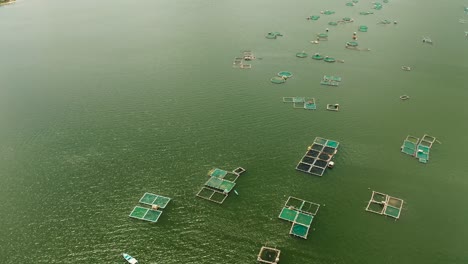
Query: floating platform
{"points": [[366, 13], [329, 59], [145, 214], [330, 80], [327, 12], [333, 107], [384, 204], [406, 68], [313, 18], [307, 103], [404, 97], [332, 23], [427, 40], [322, 36], [219, 184], [318, 156], [268, 255], [285, 74], [278, 80], [363, 28], [301, 54], [317, 56], [418, 148], [301, 213], [154, 199], [273, 35]]}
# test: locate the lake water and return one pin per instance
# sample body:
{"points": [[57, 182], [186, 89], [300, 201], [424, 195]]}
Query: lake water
{"points": [[101, 101]]}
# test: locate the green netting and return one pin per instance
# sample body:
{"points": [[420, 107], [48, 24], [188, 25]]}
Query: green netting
{"points": [[385, 21], [392, 211], [329, 59], [363, 28], [304, 219], [328, 12], [310, 105], [322, 35], [161, 201], [285, 74], [219, 173], [298, 99], [378, 6], [270, 36], [317, 57], [375, 207], [408, 151], [366, 13], [332, 144], [331, 78], [138, 212], [320, 140], [347, 19], [301, 55], [422, 155], [329, 83], [352, 43], [314, 17], [332, 23], [408, 144], [423, 160], [412, 139], [350, 4], [277, 80], [425, 149], [220, 184], [299, 230], [288, 214], [148, 198], [152, 215]]}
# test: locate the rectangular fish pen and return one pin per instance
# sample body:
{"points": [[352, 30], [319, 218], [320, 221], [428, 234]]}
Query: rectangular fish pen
{"points": [[307, 103], [300, 213], [155, 200], [318, 156], [418, 148], [145, 214], [384, 204], [268, 255], [220, 183]]}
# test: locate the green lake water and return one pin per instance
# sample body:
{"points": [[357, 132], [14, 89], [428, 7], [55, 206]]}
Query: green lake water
{"points": [[101, 101]]}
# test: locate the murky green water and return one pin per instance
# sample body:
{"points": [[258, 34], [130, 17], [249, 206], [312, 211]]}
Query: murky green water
{"points": [[101, 101]]}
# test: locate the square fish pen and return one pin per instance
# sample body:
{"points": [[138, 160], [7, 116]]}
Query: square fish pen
{"points": [[219, 184], [384, 204], [318, 156], [150, 214], [418, 148], [145, 214], [330, 80], [301, 213], [155, 200], [268, 255], [307, 103]]}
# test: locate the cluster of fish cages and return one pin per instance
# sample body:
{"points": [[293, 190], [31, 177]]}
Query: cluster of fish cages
{"points": [[318, 156], [301, 214], [219, 184]]}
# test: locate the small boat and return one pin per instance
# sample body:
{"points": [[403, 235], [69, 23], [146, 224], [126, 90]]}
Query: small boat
{"points": [[129, 258]]}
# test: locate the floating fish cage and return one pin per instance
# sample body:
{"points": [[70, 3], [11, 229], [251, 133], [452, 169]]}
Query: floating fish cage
{"points": [[219, 184], [427, 40], [363, 28], [150, 214], [322, 36], [317, 56], [418, 148], [346, 20], [278, 80], [313, 18], [307, 103], [301, 213], [239, 62], [330, 80], [154, 199], [406, 68], [366, 13], [301, 55], [332, 23], [285, 74], [384, 204], [329, 59], [273, 35], [145, 214], [327, 12], [404, 97], [350, 4], [333, 107], [268, 255], [318, 156]]}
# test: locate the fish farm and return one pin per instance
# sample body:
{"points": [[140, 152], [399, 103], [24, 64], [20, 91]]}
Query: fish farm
{"points": [[384, 204], [300, 213], [333, 107], [418, 148], [318, 156], [239, 62], [307, 103], [219, 184], [268, 255], [330, 80], [150, 214]]}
